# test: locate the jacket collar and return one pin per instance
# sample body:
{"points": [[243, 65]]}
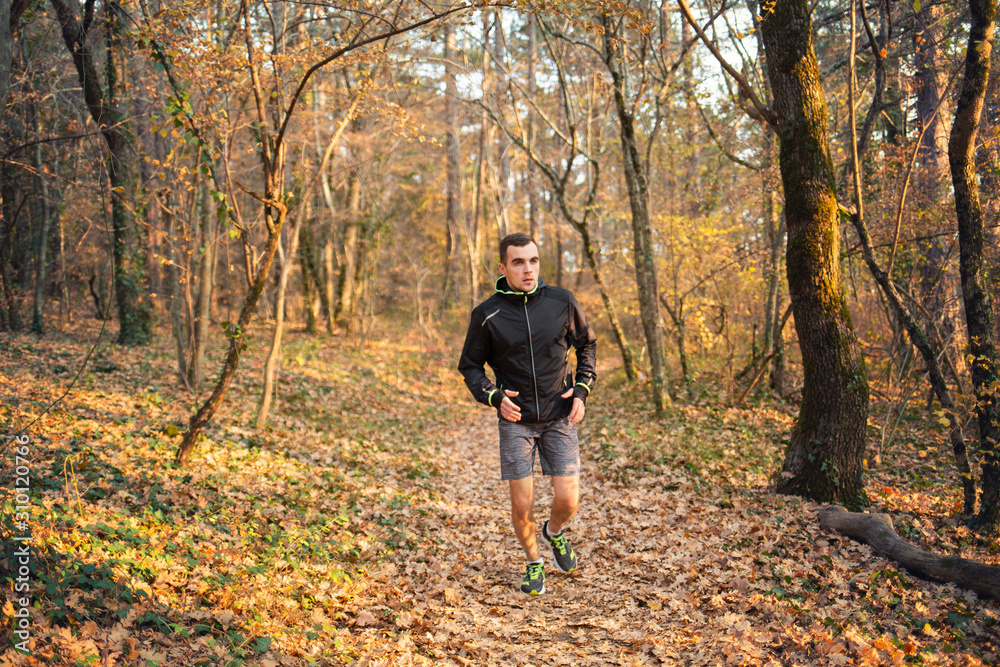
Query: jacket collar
{"points": [[502, 287]]}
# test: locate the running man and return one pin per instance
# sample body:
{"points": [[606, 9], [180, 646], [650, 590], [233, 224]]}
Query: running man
{"points": [[524, 332]]}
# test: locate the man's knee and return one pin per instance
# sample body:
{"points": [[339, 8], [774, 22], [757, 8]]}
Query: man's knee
{"points": [[566, 490], [521, 496], [521, 510], [567, 504]]}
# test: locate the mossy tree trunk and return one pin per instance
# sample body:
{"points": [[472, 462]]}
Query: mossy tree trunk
{"points": [[971, 235], [134, 317], [312, 277], [824, 459]]}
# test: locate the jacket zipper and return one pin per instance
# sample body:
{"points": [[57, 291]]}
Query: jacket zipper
{"points": [[531, 352]]}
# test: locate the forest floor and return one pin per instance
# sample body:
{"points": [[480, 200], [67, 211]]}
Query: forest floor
{"points": [[367, 525]]}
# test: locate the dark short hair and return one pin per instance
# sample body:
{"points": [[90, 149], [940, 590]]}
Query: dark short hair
{"points": [[518, 239]]}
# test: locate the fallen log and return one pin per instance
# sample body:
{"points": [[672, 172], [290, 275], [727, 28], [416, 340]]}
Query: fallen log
{"points": [[876, 531]]}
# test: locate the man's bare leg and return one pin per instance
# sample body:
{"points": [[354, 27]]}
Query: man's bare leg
{"points": [[522, 502], [566, 490]]}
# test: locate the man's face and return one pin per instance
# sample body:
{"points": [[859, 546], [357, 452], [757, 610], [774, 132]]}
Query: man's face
{"points": [[521, 267]]}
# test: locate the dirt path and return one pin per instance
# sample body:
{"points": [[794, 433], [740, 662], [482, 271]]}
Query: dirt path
{"points": [[651, 561]]}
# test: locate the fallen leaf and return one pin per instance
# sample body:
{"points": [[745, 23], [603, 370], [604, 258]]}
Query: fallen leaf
{"points": [[364, 618]]}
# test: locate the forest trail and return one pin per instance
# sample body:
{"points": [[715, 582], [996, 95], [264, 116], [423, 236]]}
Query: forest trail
{"points": [[656, 584]]}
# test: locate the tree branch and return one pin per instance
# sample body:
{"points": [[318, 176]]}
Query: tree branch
{"points": [[765, 112]]}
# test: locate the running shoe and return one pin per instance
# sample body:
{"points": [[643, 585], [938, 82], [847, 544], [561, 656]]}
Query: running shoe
{"points": [[534, 579], [561, 550]]}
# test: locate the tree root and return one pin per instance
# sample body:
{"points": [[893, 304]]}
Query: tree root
{"points": [[876, 531]]}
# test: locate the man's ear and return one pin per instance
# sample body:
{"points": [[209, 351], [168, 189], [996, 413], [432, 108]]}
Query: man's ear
{"points": [[502, 269]]}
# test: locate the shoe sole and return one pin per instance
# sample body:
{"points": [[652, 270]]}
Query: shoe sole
{"points": [[533, 592]]}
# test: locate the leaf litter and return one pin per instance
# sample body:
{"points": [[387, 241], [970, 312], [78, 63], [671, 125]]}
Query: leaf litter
{"points": [[367, 525]]}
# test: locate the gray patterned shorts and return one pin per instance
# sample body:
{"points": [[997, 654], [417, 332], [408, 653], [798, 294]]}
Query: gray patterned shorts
{"points": [[556, 442]]}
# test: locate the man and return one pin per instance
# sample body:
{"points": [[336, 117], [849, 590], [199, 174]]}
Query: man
{"points": [[524, 332]]}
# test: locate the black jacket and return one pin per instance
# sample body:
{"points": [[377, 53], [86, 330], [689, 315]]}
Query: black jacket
{"points": [[525, 338]]}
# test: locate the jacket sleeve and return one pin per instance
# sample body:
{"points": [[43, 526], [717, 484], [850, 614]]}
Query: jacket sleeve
{"points": [[584, 341], [471, 363]]}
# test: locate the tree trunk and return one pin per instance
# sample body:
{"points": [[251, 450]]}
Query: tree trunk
{"points": [[312, 278], [642, 235], [310, 301], [329, 283], [346, 286], [474, 229], [270, 366], [678, 317], [932, 168], [63, 274], [824, 456], [876, 531], [330, 267], [560, 269], [930, 79], [235, 333], [774, 229], [6, 54], [134, 317], [174, 293], [453, 182], [203, 297], [12, 189], [692, 164], [503, 141], [971, 231], [100, 312], [42, 214], [10, 18], [12, 311], [367, 274], [988, 164], [534, 219], [4, 323]]}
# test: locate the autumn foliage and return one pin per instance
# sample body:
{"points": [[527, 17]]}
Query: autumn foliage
{"points": [[284, 212], [368, 522]]}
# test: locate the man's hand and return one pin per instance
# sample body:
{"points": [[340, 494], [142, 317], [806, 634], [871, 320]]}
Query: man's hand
{"points": [[508, 410], [579, 409]]}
